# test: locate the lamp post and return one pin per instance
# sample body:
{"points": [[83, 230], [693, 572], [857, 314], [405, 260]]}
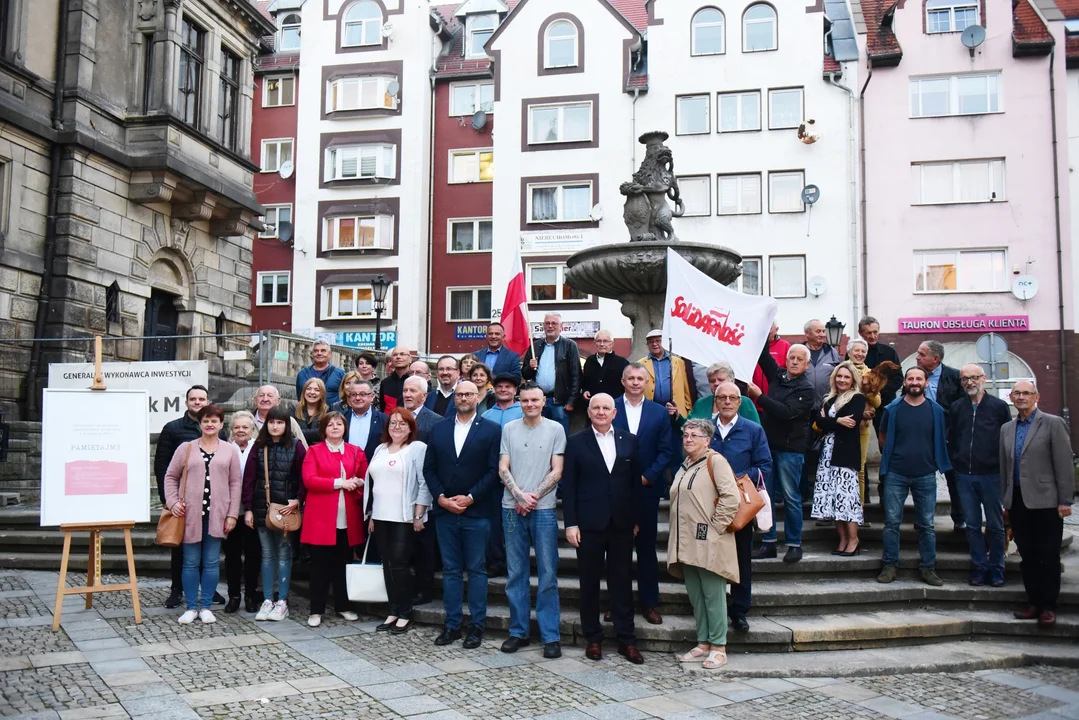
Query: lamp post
{"points": [[379, 285], [834, 328]]}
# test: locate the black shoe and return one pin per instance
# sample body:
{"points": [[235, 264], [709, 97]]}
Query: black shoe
{"points": [[851, 553], [402, 629], [767, 551], [386, 626], [175, 598], [233, 605], [496, 570], [513, 644], [448, 636], [794, 554], [421, 599], [552, 650], [740, 624], [218, 599], [959, 527], [474, 637], [252, 602]]}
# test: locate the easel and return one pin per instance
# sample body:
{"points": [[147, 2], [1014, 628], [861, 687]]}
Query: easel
{"points": [[93, 565]]}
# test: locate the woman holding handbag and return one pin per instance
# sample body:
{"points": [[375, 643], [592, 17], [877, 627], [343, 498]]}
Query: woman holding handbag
{"points": [[333, 473], [271, 494], [396, 503], [202, 486], [704, 501]]}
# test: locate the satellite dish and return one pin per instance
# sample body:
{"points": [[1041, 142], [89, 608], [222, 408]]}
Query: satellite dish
{"points": [[972, 37], [285, 171], [284, 231], [479, 120], [810, 194], [1025, 287], [387, 30], [597, 213], [816, 286], [393, 88]]}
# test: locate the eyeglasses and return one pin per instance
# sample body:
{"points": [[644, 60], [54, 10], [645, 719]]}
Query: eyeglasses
{"points": [[362, 394], [693, 436], [394, 424], [971, 378], [466, 394], [732, 398], [1023, 393]]}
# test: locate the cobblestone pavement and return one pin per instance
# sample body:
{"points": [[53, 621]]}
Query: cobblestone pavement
{"points": [[101, 664]]}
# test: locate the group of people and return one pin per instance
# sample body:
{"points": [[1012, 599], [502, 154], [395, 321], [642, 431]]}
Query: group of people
{"points": [[463, 472]]}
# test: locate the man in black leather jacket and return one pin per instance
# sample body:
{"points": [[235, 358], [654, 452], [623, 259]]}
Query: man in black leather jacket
{"points": [[559, 375]]}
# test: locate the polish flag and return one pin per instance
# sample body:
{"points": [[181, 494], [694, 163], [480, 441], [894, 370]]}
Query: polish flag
{"points": [[515, 310]]}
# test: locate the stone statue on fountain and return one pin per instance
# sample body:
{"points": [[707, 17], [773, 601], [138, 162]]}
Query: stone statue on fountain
{"points": [[647, 214]]}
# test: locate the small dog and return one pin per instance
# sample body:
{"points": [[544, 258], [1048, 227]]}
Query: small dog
{"points": [[876, 379]]}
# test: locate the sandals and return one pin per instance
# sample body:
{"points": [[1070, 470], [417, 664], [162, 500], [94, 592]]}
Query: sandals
{"points": [[716, 660], [696, 655]]}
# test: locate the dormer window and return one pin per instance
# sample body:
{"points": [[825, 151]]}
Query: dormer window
{"points": [[560, 45], [363, 25], [288, 39], [480, 30], [942, 16]]}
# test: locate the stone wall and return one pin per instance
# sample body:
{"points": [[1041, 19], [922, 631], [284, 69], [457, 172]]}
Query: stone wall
{"points": [[21, 472]]}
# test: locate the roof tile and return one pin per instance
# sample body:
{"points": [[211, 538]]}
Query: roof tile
{"points": [[881, 41], [1028, 31]]}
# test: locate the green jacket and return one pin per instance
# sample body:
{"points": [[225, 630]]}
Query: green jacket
{"points": [[702, 410]]}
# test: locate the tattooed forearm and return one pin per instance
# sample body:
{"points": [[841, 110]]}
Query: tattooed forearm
{"points": [[511, 485], [549, 483]]}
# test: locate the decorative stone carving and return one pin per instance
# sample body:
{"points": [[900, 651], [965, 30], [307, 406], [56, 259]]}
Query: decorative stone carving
{"points": [[231, 225], [201, 207], [647, 214], [152, 187], [180, 229], [147, 10]]}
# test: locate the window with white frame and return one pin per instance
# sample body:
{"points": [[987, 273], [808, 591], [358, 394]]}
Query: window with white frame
{"points": [[569, 202], [739, 194], [469, 166], [739, 112], [358, 232], [968, 94], [560, 45], [785, 192], [360, 93], [962, 181], [275, 153], [949, 271], [759, 28], [351, 302], [709, 32], [279, 91], [468, 304], [288, 37], [943, 16], [693, 115], [547, 284], [787, 276], [559, 123], [476, 235], [361, 161], [274, 288], [275, 215], [467, 98], [749, 282], [480, 30], [696, 193], [785, 108], [363, 25]]}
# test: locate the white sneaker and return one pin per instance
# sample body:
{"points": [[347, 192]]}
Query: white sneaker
{"points": [[188, 617], [349, 615], [280, 610], [314, 621], [264, 610], [207, 617]]}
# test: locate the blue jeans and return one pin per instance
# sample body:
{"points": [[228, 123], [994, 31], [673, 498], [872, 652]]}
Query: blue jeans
{"points": [[787, 470], [206, 553], [975, 493], [276, 562], [538, 529], [894, 494], [557, 413], [463, 542]]}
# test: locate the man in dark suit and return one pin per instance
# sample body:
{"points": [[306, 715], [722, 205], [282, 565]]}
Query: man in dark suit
{"points": [[601, 492], [440, 400], [943, 388], [414, 395], [603, 370], [425, 550], [461, 471], [496, 356], [650, 423], [363, 422]]}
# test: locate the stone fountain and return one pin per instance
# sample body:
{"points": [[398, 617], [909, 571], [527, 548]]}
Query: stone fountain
{"points": [[635, 273]]}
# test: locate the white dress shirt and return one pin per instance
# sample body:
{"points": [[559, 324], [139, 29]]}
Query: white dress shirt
{"points": [[606, 446], [724, 429], [633, 415], [460, 432]]}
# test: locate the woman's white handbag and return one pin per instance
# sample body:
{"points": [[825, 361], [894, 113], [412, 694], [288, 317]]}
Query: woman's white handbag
{"points": [[365, 582], [764, 515]]}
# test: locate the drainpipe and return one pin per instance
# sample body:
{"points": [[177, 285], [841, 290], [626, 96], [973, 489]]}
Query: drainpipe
{"points": [[861, 153], [1065, 411], [633, 134], [431, 216], [852, 196]]}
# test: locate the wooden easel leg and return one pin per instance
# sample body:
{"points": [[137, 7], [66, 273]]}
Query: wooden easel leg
{"points": [[62, 582], [131, 577], [91, 566]]}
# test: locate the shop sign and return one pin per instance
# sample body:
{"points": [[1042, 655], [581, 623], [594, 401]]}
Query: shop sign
{"points": [[470, 332], [556, 241], [576, 329], [971, 323], [365, 340]]}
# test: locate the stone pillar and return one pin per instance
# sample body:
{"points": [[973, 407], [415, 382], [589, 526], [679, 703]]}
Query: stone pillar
{"points": [[645, 312]]}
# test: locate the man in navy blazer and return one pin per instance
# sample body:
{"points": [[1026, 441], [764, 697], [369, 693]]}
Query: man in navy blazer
{"points": [[461, 471], [414, 397], [601, 492], [363, 422], [496, 356], [425, 549], [651, 424]]}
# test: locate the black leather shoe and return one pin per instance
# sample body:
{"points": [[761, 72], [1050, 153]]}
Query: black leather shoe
{"points": [[402, 629], [794, 554], [474, 638], [740, 624], [175, 598], [448, 636], [218, 599], [386, 626], [513, 644], [252, 602], [552, 650], [233, 605], [767, 551]]}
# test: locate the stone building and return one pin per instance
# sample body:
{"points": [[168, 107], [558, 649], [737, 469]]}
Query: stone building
{"points": [[126, 202]]}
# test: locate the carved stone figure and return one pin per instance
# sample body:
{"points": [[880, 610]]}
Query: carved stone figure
{"points": [[646, 213]]}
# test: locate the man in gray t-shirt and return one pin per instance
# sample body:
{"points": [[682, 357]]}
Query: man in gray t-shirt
{"points": [[530, 466]]}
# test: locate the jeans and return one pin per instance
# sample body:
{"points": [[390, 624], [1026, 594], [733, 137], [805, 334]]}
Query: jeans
{"points": [[206, 553], [557, 413], [787, 470], [975, 493], [538, 529], [893, 496], [462, 539], [276, 563]]}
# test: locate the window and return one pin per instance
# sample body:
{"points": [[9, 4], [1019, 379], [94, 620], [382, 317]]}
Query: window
{"points": [[759, 28], [351, 302], [708, 32], [468, 166], [469, 304], [112, 303], [228, 101], [288, 39], [955, 95], [560, 203], [785, 192], [547, 284], [279, 91], [559, 123], [360, 93], [147, 66], [192, 61], [785, 108], [480, 30], [467, 99], [363, 25], [787, 276], [275, 153], [749, 282], [273, 288], [361, 161], [960, 271], [739, 194], [357, 232], [471, 236], [965, 181], [560, 45], [739, 111], [694, 113], [275, 215], [696, 194], [943, 16]]}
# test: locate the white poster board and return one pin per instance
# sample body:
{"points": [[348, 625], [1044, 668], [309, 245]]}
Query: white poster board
{"points": [[95, 456]]}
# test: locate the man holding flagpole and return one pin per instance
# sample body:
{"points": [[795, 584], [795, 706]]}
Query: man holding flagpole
{"points": [[555, 365]]}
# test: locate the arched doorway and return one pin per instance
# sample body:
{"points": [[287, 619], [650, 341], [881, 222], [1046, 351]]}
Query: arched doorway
{"points": [[162, 320]]}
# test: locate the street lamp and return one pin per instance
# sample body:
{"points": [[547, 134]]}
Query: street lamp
{"points": [[834, 328], [379, 285]]}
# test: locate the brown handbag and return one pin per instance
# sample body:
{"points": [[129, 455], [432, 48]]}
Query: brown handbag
{"points": [[170, 528], [275, 519], [750, 501]]}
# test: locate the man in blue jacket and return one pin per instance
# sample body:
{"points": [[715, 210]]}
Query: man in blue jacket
{"points": [[321, 368], [461, 471], [914, 451], [496, 356], [363, 421]]}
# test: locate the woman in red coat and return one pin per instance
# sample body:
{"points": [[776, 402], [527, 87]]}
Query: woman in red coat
{"points": [[333, 473]]}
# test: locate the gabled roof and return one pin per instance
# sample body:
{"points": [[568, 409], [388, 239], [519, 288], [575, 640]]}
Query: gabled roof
{"points": [[1070, 9], [1030, 36], [882, 46]]}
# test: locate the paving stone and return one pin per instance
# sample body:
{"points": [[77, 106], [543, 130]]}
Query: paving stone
{"points": [[959, 694], [344, 703], [890, 706], [388, 691], [108, 667], [232, 667], [317, 684], [772, 685], [1056, 693], [145, 690], [414, 671], [386, 650], [611, 685], [105, 711], [1014, 680], [456, 666], [15, 662], [267, 690], [164, 628], [661, 671], [1060, 676], [11, 582], [414, 705], [803, 704], [63, 658], [614, 711], [34, 641], [524, 691], [564, 715], [23, 607], [660, 706], [57, 687], [155, 704], [700, 699], [88, 646], [138, 677]]}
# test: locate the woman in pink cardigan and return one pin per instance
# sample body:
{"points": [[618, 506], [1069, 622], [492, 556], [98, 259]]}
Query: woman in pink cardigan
{"points": [[209, 506]]}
